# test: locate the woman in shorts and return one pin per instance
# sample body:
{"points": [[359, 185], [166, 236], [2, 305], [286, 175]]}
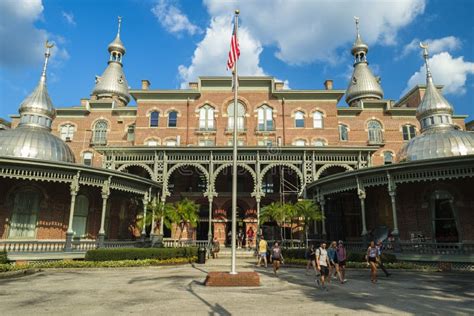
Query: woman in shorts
{"points": [[276, 257], [333, 263], [371, 257]]}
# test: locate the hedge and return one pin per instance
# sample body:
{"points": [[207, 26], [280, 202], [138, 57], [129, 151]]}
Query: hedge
{"points": [[351, 256], [3, 257], [139, 253]]}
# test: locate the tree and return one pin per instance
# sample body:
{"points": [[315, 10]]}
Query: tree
{"points": [[185, 212], [278, 212], [309, 211], [158, 211]]}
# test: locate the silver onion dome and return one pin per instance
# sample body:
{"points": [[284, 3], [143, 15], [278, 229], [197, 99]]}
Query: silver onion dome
{"points": [[363, 84], [439, 137], [32, 138], [113, 83]]}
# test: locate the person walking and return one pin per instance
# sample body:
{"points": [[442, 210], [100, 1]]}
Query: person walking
{"points": [[262, 251], [341, 260], [276, 257], [333, 262], [371, 257], [380, 249], [311, 257], [322, 262], [216, 247], [240, 238], [250, 237]]}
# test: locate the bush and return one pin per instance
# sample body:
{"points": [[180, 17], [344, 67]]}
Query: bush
{"points": [[3, 257], [139, 253]]}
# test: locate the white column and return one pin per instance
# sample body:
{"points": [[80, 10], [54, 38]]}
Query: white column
{"points": [[362, 208], [393, 195]]}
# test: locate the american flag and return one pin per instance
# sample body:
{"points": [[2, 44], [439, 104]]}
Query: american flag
{"points": [[234, 52]]}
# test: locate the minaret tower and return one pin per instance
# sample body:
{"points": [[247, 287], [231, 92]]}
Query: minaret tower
{"points": [[363, 85], [112, 84]]}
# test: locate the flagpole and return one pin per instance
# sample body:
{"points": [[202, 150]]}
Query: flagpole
{"points": [[234, 157]]}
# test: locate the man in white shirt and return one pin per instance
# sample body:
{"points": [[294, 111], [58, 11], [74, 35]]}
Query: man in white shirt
{"points": [[322, 261]]}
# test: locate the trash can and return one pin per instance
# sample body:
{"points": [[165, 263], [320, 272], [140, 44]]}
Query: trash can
{"points": [[201, 255]]}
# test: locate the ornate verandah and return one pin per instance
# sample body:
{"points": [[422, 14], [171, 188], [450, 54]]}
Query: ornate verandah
{"points": [[70, 177], [422, 200]]}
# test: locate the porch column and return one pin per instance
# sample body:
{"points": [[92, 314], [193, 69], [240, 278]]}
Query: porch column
{"points": [[163, 201], [361, 194], [258, 217], [145, 202], [322, 202], [105, 196], [74, 188], [153, 237], [209, 230]]}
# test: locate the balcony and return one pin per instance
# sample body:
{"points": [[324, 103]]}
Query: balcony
{"points": [[205, 130], [230, 130], [376, 142], [98, 142], [259, 130]]}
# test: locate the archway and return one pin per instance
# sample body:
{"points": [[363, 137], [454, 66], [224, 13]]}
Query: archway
{"points": [[282, 182], [328, 170], [140, 170], [187, 180]]}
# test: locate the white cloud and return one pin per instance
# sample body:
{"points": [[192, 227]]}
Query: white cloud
{"points": [[448, 43], [210, 56], [22, 43], [446, 70], [172, 19], [69, 17], [306, 31]]}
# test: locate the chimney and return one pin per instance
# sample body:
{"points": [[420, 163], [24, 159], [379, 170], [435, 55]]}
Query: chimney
{"points": [[279, 85], [193, 85], [328, 84], [145, 84]]}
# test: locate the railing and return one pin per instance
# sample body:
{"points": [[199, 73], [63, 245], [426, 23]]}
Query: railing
{"points": [[121, 243], [430, 248], [83, 245], [176, 243], [32, 246]]}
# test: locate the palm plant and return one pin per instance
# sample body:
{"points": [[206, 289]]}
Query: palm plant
{"points": [[185, 212], [159, 212], [309, 211]]}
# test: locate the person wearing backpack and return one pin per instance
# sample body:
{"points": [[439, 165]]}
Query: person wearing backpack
{"points": [[322, 261]]}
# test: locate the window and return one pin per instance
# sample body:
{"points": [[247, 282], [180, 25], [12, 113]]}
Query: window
{"points": [[173, 119], [240, 116], [375, 132], [171, 143], [343, 132], [87, 158], [206, 117], [387, 158], [81, 210], [152, 142], [319, 143], [317, 119], [131, 133], [67, 132], [240, 142], [265, 118], [265, 142], [206, 142], [100, 133], [408, 132], [26, 205], [154, 118], [267, 185], [300, 142], [299, 119], [445, 228]]}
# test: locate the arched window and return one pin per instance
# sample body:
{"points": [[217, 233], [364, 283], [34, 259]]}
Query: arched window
{"points": [[25, 212], [240, 116], [100, 133], [343, 132], [444, 221], [265, 118], [299, 143], [151, 142], [154, 118], [319, 142], [172, 119], [408, 132], [299, 119], [387, 157], [87, 158], [67, 132], [206, 117], [171, 143], [317, 119], [81, 210], [375, 132]]}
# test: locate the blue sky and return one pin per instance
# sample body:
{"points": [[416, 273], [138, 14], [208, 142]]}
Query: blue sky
{"points": [[170, 42]]}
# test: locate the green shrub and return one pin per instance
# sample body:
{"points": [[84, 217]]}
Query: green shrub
{"points": [[139, 253], [3, 257]]}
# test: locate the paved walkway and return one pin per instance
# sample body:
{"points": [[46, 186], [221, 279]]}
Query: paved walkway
{"points": [[178, 290]]}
